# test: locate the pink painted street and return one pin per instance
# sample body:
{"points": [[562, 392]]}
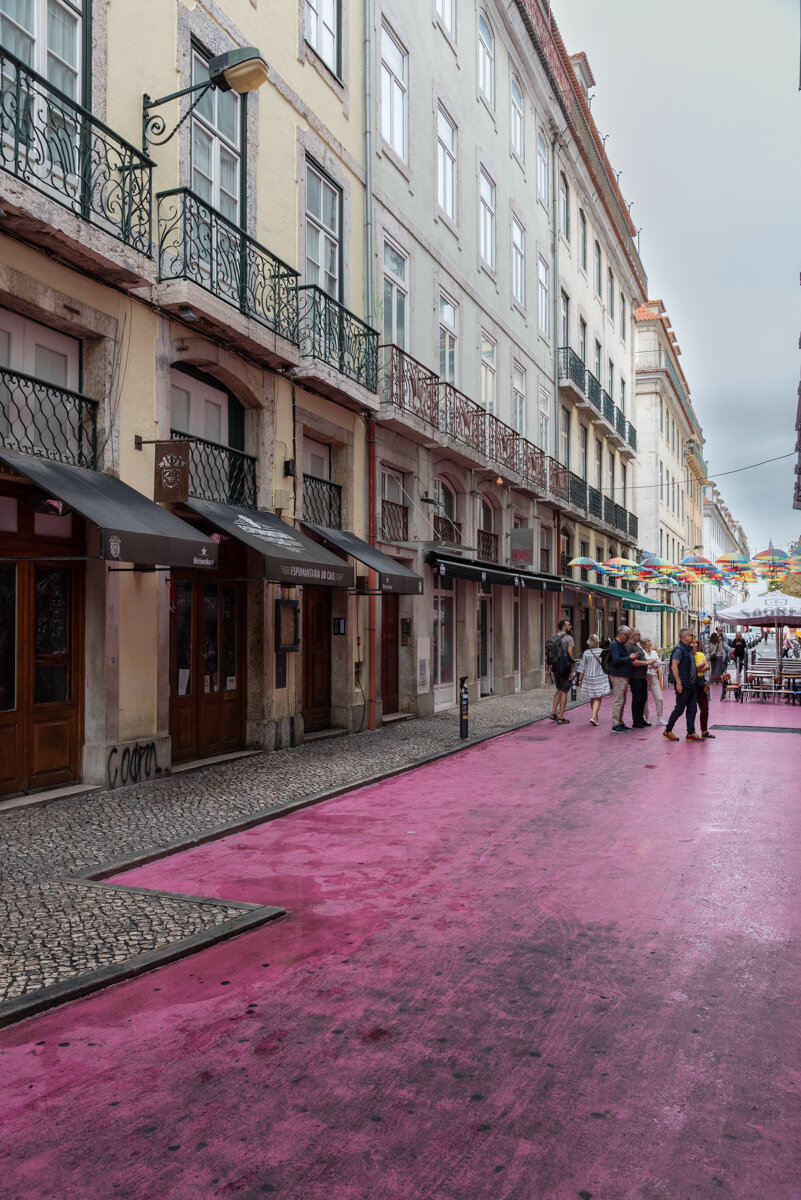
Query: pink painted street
{"points": [[556, 965]]}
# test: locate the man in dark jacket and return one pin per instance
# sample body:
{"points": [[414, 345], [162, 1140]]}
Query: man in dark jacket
{"points": [[638, 682], [685, 677], [621, 656]]}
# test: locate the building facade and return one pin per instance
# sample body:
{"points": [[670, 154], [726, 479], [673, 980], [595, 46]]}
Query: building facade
{"points": [[722, 535]]}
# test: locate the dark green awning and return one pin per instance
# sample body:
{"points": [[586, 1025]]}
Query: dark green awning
{"points": [[632, 600]]}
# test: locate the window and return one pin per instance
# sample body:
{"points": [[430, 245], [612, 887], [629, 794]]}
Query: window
{"points": [[582, 236], [598, 268], [582, 339], [599, 467], [661, 481], [199, 410], [564, 437], [542, 167], [446, 164], [447, 338], [518, 262], [542, 272], [516, 116], [623, 316], [445, 499], [323, 220], [488, 350], [216, 158], [394, 68], [584, 465], [34, 349], [564, 207], [544, 430], [623, 395], [447, 15], [661, 417], [611, 379], [564, 319], [486, 218], [612, 475], [519, 398], [598, 361], [486, 59], [396, 295], [322, 30], [316, 459], [610, 295], [46, 35], [392, 487]]}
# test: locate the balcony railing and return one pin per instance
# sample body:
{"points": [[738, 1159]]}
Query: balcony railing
{"points": [[394, 522], [198, 243], [487, 543], [621, 424], [446, 530], [333, 335], [634, 527], [545, 560], [631, 436], [595, 503], [58, 147], [608, 409], [219, 472], [609, 511], [659, 360], [621, 518], [571, 367], [502, 443], [594, 391], [50, 422], [533, 465], [462, 418], [577, 491], [410, 386], [322, 502], [557, 479]]}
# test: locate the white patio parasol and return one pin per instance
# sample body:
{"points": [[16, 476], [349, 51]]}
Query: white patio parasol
{"points": [[771, 608]]}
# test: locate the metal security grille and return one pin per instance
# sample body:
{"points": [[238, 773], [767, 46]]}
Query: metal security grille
{"points": [[220, 472], [38, 418]]}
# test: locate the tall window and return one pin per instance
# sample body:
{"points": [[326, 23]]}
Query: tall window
{"points": [[446, 11], [516, 116], [542, 166], [322, 30], [564, 319], [518, 262], [323, 221], [216, 133], [623, 395], [661, 481], [396, 295], [198, 409], [623, 316], [544, 430], [564, 436], [582, 339], [519, 398], [611, 379], [486, 59], [582, 240], [488, 350], [598, 268], [394, 72], [584, 451], [612, 475], [446, 164], [661, 417], [447, 338], [46, 35], [542, 278], [610, 295], [599, 468], [598, 361], [486, 218], [564, 207]]}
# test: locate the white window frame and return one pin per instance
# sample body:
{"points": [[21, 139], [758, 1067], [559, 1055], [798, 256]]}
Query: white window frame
{"points": [[489, 368], [486, 59], [517, 125], [448, 339], [583, 340], [201, 396], [518, 262], [394, 94], [26, 336], [446, 164], [206, 125], [544, 423], [328, 236], [486, 218], [519, 397], [543, 294], [622, 315], [322, 31], [398, 286], [564, 318], [564, 435], [598, 269], [564, 206], [542, 167], [610, 378], [584, 451], [582, 239], [610, 294], [14, 35], [446, 11]]}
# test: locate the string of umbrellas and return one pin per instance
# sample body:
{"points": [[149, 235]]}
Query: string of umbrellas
{"points": [[771, 565]]}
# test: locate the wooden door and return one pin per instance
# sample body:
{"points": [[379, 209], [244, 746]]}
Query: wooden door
{"points": [[390, 680], [316, 640]]}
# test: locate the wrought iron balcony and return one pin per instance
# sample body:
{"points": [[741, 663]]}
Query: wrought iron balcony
{"points": [[55, 145], [594, 391], [503, 443], [609, 510], [394, 522], [462, 418], [621, 518], [446, 530], [219, 472], [335, 336], [572, 368], [621, 424], [557, 479], [631, 436], [322, 502], [409, 386], [198, 243], [533, 465], [577, 490], [487, 543], [50, 422], [609, 409], [595, 503], [634, 527]]}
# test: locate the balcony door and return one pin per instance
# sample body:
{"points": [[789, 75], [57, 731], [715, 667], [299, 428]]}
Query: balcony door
{"points": [[444, 642], [28, 348], [484, 636], [390, 644], [316, 647]]}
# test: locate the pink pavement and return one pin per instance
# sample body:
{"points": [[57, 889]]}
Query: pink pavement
{"points": [[564, 963]]}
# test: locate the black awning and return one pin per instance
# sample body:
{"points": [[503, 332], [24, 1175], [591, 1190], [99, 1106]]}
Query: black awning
{"points": [[483, 572], [392, 575], [290, 558], [132, 528]]}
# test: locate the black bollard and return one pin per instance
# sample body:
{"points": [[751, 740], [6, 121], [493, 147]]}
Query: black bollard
{"points": [[463, 707]]}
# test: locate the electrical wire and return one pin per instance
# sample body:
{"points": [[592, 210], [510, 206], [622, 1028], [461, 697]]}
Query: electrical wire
{"points": [[640, 487]]}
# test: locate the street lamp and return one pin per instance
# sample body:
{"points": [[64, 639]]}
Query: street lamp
{"points": [[240, 70]]}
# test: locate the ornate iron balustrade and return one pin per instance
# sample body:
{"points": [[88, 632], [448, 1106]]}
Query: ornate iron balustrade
{"points": [[446, 530], [533, 465], [595, 503], [502, 443], [198, 243], [408, 385], [609, 510], [620, 423], [621, 518], [634, 526], [334, 335], [56, 146], [571, 367], [609, 409], [462, 418], [487, 544], [394, 522], [577, 490], [594, 391], [219, 472], [322, 502], [631, 436], [557, 479], [50, 422]]}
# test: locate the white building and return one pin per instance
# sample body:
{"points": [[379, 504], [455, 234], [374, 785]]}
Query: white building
{"points": [[722, 535]]}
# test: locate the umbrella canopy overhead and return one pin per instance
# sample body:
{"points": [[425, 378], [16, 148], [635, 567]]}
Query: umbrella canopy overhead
{"points": [[773, 608]]}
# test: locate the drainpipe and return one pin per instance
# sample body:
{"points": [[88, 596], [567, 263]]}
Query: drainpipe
{"points": [[367, 93], [555, 268], [372, 576]]}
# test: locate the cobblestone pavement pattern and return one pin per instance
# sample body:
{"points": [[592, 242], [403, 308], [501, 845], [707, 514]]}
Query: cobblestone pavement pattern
{"points": [[55, 929]]}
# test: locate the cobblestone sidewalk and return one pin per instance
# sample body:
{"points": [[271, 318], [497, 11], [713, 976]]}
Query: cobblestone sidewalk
{"points": [[56, 929]]}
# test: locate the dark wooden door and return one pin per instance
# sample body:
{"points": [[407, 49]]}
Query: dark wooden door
{"points": [[390, 684], [316, 635]]}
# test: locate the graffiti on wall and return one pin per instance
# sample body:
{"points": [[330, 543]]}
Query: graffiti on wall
{"points": [[132, 764]]}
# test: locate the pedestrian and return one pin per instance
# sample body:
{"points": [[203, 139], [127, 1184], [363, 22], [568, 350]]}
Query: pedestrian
{"points": [[620, 659], [652, 681], [685, 676], [560, 655], [716, 654], [702, 670], [739, 652], [638, 682], [592, 678], [786, 646]]}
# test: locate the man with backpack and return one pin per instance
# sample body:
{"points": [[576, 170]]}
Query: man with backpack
{"points": [[559, 657]]}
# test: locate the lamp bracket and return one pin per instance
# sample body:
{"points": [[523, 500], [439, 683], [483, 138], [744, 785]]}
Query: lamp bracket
{"points": [[153, 126]]}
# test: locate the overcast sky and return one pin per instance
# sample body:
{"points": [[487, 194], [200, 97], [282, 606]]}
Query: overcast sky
{"points": [[700, 100]]}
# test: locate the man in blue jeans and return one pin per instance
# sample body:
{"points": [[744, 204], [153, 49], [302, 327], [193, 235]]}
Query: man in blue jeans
{"points": [[685, 677], [621, 656]]}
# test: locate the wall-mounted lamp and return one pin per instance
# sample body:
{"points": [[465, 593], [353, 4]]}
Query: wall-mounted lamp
{"points": [[240, 70], [499, 481]]}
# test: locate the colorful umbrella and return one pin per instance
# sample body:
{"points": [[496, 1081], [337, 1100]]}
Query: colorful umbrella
{"points": [[584, 562]]}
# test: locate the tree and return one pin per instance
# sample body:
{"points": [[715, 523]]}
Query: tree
{"points": [[791, 585]]}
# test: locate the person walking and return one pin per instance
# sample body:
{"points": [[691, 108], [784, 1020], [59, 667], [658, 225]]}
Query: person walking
{"points": [[739, 652], [620, 660], [685, 677], [716, 654], [638, 682], [652, 682], [702, 669], [562, 665], [592, 678]]}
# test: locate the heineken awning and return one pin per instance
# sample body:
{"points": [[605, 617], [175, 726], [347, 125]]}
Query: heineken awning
{"points": [[483, 572], [632, 600], [289, 557], [392, 575], [132, 528]]}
